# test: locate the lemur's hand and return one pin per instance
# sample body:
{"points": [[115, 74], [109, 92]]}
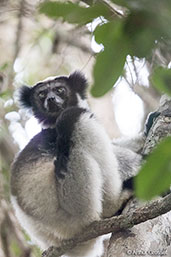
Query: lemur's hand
{"points": [[65, 125]]}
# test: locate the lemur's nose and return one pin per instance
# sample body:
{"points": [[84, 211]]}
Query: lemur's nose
{"points": [[51, 99], [51, 96]]}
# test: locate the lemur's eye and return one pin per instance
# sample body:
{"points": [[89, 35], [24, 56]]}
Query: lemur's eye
{"points": [[60, 90], [42, 94]]}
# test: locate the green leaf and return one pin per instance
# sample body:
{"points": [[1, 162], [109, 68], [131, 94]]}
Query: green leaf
{"points": [[161, 79], [104, 33], [74, 13], [155, 176], [142, 29], [110, 62]]}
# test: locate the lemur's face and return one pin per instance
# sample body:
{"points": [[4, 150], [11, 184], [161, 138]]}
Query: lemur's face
{"points": [[47, 99], [51, 97]]}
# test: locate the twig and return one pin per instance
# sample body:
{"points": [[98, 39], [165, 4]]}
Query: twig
{"points": [[5, 239], [135, 70], [9, 222], [19, 29], [71, 40], [17, 41], [113, 11]]}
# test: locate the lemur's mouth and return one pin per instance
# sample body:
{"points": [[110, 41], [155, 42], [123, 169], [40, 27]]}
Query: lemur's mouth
{"points": [[53, 107], [53, 104]]}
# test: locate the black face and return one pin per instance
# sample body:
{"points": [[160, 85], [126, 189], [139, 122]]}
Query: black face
{"points": [[49, 99], [52, 98]]}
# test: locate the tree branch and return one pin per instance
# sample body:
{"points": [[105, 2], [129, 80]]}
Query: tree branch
{"points": [[144, 237], [71, 39], [17, 44], [8, 226], [161, 126], [148, 211]]}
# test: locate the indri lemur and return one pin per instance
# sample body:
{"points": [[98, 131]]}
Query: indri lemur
{"points": [[69, 174]]}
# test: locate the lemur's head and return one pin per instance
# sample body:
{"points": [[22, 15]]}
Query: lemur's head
{"points": [[48, 98]]}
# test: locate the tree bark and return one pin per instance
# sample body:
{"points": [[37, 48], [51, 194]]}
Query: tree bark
{"points": [[153, 237]]}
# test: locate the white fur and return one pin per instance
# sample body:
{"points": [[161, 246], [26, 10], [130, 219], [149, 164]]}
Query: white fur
{"points": [[51, 210], [82, 103], [98, 144], [44, 238]]}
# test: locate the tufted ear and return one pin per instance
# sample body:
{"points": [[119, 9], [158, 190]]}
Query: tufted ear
{"points": [[78, 82], [24, 98]]}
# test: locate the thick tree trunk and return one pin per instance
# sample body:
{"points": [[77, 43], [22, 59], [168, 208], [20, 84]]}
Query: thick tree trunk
{"points": [[153, 237]]}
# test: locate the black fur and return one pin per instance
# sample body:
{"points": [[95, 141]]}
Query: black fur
{"points": [[43, 143], [44, 118], [53, 142], [65, 126], [129, 184], [78, 82], [150, 120], [65, 119], [74, 84], [124, 204], [25, 97]]}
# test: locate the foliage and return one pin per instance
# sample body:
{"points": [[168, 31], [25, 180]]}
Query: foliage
{"points": [[155, 175], [136, 34], [143, 28], [161, 79], [110, 61], [74, 13]]}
